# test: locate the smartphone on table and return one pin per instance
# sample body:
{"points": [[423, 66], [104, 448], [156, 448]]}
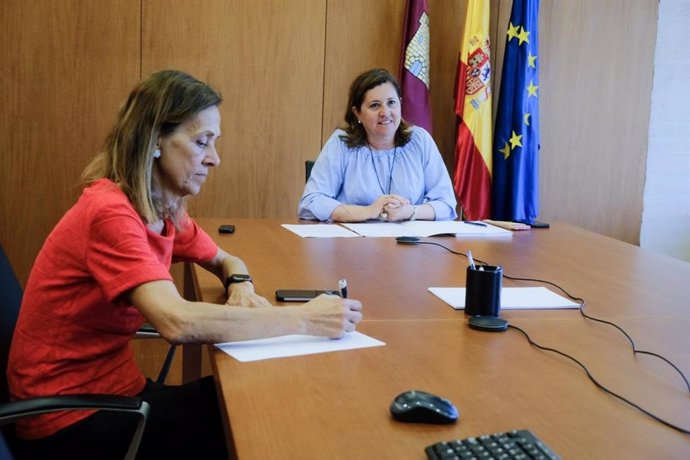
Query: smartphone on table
{"points": [[301, 295]]}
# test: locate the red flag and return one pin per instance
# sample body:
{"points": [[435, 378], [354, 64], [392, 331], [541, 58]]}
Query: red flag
{"points": [[414, 65], [472, 176]]}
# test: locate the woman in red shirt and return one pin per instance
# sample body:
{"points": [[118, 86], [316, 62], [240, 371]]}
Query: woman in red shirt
{"points": [[104, 270]]}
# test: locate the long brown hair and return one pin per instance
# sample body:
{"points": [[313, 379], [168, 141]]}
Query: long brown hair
{"points": [[355, 134], [154, 108]]}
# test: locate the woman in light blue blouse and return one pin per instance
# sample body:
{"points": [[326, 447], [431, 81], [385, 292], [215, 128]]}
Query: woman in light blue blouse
{"points": [[378, 166]]}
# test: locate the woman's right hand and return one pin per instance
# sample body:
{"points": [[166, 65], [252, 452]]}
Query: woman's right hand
{"points": [[392, 200], [332, 316]]}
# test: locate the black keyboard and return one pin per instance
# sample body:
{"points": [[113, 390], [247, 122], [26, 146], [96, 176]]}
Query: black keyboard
{"points": [[511, 445]]}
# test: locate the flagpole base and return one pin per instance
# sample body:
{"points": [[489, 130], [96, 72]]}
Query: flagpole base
{"points": [[538, 224]]}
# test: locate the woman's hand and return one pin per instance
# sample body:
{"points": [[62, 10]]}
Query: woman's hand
{"points": [[332, 316], [376, 210], [243, 295], [399, 213], [385, 203]]}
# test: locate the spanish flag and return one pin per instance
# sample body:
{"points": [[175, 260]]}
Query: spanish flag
{"points": [[472, 176]]}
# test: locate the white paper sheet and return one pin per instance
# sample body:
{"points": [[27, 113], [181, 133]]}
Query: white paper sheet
{"points": [[294, 345], [423, 228], [320, 231], [511, 298]]}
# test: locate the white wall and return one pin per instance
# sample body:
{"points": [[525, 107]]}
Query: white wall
{"points": [[666, 205]]}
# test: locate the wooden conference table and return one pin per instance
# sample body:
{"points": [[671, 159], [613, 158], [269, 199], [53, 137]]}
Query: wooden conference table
{"points": [[335, 405]]}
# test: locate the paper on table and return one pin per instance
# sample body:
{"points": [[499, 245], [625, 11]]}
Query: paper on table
{"points": [[294, 345], [511, 298], [424, 228], [320, 231]]}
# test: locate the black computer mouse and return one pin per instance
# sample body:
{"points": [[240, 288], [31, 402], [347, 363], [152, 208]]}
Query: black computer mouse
{"points": [[416, 406]]}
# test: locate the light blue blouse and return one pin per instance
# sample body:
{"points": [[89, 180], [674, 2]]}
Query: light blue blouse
{"points": [[360, 175]]}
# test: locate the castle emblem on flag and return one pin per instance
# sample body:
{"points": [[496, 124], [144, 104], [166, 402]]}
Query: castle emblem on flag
{"points": [[417, 52]]}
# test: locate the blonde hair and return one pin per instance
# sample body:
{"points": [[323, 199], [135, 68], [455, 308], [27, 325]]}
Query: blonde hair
{"points": [[154, 108]]}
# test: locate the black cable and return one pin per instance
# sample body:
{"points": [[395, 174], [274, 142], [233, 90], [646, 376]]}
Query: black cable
{"points": [[582, 303], [599, 385], [599, 320], [581, 310]]}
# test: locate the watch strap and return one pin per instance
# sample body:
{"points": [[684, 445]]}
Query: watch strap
{"points": [[236, 278]]}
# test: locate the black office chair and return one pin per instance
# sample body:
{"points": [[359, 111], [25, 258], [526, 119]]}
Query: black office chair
{"points": [[307, 169], [10, 301]]}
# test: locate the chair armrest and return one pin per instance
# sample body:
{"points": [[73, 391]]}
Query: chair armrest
{"points": [[14, 410]]}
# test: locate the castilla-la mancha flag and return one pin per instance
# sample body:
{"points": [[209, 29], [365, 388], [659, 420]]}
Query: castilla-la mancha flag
{"points": [[472, 175], [414, 65]]}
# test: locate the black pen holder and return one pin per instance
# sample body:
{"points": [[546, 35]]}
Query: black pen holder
{"points": [[483, 290]]}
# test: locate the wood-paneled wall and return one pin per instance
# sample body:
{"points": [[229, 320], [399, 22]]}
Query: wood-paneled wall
{"points": [[597, 64], [284, 68], [65, 68], [266, 58]]}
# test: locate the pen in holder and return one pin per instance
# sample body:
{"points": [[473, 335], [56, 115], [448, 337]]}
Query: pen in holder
{"points": [[483, 290]]}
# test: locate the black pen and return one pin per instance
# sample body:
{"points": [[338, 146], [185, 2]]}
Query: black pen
{"points": [[478, 224], [342, 287]]}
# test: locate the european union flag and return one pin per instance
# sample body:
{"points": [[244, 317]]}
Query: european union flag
{"points": [[516, 133]]}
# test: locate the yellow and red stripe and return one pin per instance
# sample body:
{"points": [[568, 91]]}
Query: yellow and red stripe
{"points": [[472, 175]]}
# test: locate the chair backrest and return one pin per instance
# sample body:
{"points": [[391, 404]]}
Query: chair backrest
{"points": [[307, 169], [10, 301]]}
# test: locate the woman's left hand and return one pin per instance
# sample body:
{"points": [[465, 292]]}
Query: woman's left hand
{"points": [[243, 295]]}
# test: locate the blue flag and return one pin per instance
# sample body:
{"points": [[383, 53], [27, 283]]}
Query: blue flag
{"points": [[516, 133]]}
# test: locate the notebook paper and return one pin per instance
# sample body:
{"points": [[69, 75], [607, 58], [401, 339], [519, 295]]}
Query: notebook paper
{"points": [[422, 228], [511, 298], [294, 345]]}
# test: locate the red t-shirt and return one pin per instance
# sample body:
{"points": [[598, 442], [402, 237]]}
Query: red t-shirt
{"points": [[74, 326]]}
